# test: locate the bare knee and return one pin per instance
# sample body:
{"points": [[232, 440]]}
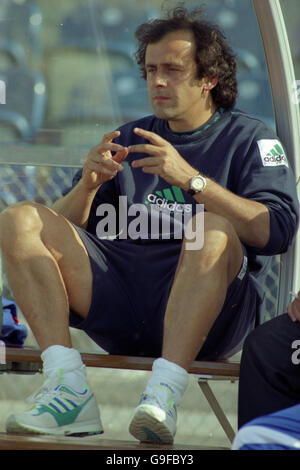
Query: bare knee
{"points": [[220, 231], [220, 245], [18, 222], [216, 232]]}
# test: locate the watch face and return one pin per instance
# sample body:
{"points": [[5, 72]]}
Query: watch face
{"points": [[198, 184]]}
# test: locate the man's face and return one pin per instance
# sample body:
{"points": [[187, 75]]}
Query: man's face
{"points": [[175, 92]]}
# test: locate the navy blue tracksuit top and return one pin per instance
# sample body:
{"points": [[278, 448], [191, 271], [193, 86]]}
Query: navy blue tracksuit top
{"points": [[239, 152]]}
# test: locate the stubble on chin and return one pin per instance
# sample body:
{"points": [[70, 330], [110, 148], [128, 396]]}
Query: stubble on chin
{"points": [[166, 114]]}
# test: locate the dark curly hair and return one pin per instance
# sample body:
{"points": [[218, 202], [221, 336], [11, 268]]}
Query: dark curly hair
{"points": [[214, 57]]}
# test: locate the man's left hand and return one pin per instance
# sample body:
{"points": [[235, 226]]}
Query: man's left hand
{"points": [[163, 160]]}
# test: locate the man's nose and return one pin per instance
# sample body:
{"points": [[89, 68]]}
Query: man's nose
{"points": [[159, 80]]}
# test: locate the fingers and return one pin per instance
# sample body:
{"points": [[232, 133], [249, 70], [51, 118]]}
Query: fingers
{"points": [[102, 164], [293, 309], [145, 148], [146, 162], [121, 155], [108, 167], [151, 136], [153, 170], [107, 147], [149, 165], [100, 158], [107, 144], [156, 141], [110, 136], [291, 314], [154, 150]]}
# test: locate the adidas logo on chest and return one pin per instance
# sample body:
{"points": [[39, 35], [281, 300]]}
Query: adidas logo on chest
{"points": [[171, 199]]}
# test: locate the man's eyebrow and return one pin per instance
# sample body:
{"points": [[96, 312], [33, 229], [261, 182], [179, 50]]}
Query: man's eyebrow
{"points": [[166, 64]]}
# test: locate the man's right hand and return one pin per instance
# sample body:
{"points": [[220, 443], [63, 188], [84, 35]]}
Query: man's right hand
{"points": [[100, 165], [293, 309]]}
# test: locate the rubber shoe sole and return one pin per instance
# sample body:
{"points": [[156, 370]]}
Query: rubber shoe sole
{"points": [[149, 425], [60, 411], [82, 429]]}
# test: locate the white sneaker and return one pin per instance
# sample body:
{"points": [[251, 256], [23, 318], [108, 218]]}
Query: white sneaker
{"points": [[59, 411], [154, 421]]}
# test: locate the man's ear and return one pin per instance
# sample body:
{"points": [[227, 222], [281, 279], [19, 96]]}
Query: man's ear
{"points": [[209, 83]]}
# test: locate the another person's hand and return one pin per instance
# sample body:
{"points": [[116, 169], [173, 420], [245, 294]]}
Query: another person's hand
{"points": [[100, 165], [293, 309]]}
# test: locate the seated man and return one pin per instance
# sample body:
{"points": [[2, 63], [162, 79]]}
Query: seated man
{"points": [[154, 293], [269, 389]]}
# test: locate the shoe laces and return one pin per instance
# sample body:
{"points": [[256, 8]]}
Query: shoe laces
{"points": [[48, 390], [44, 394]]}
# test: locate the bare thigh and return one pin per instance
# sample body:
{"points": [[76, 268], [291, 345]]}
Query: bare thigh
{"points": [[30, 222]]}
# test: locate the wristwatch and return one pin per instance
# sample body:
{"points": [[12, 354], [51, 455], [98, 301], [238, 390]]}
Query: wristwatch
{"points": [[197, 184]]}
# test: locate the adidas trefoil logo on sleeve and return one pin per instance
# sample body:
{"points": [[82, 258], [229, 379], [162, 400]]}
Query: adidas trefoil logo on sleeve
{"points": [[272, 153]]}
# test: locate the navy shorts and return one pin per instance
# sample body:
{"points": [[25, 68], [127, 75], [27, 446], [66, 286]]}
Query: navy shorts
{"points": [[131, 286]]}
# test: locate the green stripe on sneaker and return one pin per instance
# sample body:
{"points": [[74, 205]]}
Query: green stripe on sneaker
{"points": [[65, 417]]}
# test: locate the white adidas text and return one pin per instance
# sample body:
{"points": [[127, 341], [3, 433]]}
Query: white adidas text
{"points": [[163, 203]]}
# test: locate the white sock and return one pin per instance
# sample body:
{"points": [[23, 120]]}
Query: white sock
{"points": [[64, 364], [166, 376]]}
